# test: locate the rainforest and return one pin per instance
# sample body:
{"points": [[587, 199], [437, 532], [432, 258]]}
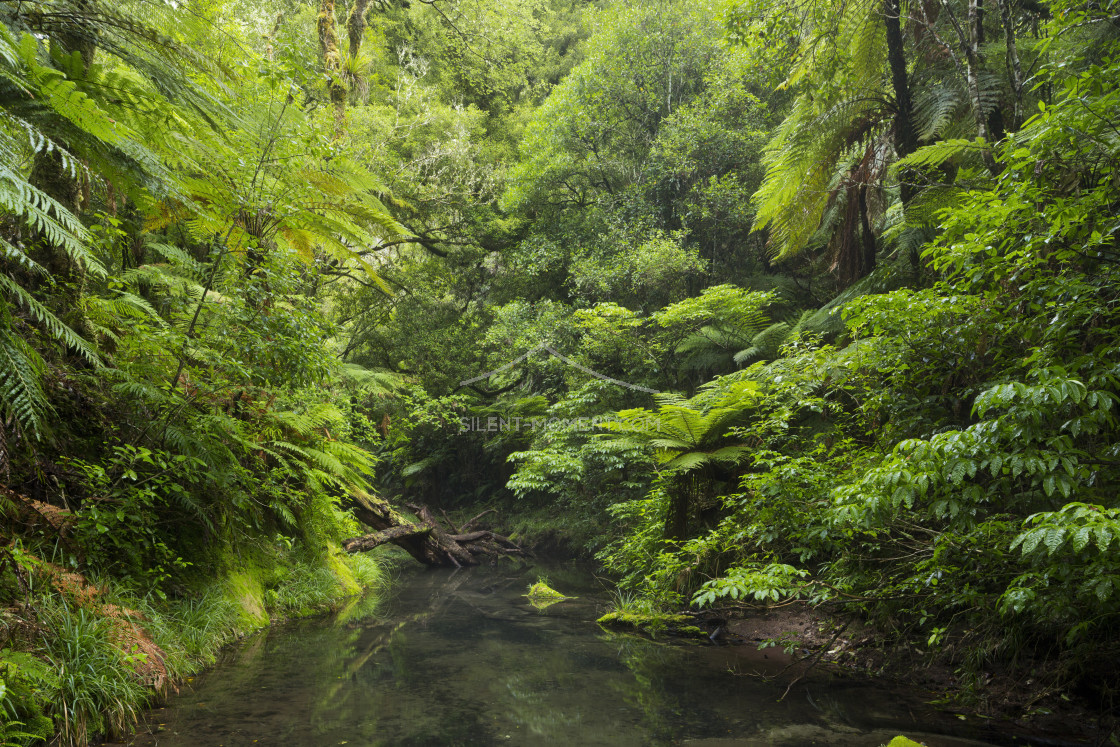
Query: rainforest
{"points": [[792, 310]]}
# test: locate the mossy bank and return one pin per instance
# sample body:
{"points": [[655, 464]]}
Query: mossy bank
{"points": [[82, 657]]}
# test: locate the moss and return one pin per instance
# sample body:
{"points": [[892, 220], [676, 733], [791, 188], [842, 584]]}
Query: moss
{"points": [[542, 591], [338, 565], [249, 596], [542, 596], [903, 742], [643, 620], [653, 623]]}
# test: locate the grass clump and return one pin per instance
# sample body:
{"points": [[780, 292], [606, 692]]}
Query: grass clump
{"points": [[305, 590], [98, 690], [370, 572], [190, 631]]}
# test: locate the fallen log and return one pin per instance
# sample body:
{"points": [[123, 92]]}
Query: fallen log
{"points": [[425, 540], [379, 515], [370, 541]]}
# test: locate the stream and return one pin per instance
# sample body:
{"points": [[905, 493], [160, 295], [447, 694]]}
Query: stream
{"points": [[462, 658]]}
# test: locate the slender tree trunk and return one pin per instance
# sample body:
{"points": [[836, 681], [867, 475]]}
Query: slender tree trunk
{"points": [[905, 140], [332, 62], [1014, 66], [355, 31], [269, 50], [974, 60]]}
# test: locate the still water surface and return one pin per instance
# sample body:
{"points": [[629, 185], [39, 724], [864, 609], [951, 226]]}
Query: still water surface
{"points": [[462, 658]]}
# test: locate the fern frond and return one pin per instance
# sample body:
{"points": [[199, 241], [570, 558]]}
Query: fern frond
{"points": [[42, 212], [374, 381], [936, 106], [122, 306], [765, 345], [21, 393], [940, 152], [54, 326]]}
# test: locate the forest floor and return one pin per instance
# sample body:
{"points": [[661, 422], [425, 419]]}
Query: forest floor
{"points": [[1031, 700]]}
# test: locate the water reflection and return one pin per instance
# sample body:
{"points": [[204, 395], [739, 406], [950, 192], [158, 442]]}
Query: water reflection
{"points": [[463, 658]]}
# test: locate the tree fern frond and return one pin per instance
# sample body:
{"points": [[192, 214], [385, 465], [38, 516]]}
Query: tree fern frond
{"points": [[177, 256], [940, 152], [936, 106], [21, 392], [122, 306], [50, 322], [16, 256], [42, 212], [376, 381], [765, 345]]}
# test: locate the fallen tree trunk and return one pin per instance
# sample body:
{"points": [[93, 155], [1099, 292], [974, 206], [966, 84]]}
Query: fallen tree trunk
{"points": [[370, 541], [426, 540]]}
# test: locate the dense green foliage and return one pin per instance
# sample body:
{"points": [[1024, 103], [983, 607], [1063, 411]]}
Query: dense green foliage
{"points": [[757, 300], [868, 276]]}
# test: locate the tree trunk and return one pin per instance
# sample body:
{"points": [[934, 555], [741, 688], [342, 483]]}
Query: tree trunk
{"points": [[905, 141], [332, 63], [379, 515], [355, 30], [370, 541], [676, 517], [356, 26], [1014, 66], [867, 257], [974, 60]]}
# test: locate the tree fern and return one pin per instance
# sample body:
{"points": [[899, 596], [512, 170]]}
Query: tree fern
{"points": [[371, 381], [801, 163], [46, 215]]}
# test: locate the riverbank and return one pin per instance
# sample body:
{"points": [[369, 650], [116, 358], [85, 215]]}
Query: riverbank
{"points": [[84, 657], [1027, 701], [1031, 694]]}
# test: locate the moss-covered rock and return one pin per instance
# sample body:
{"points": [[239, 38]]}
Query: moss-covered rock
{"points": [[541, 595], [642, 620], [646, 621], [654, 623], [691, 631]]}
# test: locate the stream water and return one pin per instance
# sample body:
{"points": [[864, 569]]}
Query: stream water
{"points": [[462, 658]]}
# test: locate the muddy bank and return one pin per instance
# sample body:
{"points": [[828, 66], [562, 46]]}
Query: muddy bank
{"points": [[1021, 702]]}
